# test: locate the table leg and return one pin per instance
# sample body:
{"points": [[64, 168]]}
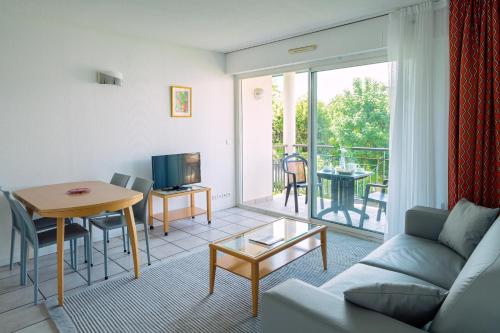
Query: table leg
{"points": [[165, 216], [255, 288], [213, 262], [60, 260], [192, 204], [132, 234], [209, 206], [150, 210], [323, 248]]}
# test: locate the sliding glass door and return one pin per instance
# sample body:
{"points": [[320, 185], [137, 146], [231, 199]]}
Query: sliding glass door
{"points": [[349, 145]]}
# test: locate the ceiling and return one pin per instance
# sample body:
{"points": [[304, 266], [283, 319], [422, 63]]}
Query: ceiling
{"points": [[217, 25]]}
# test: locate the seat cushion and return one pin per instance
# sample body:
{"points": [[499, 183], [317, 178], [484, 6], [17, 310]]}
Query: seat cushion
{"points": [[421, 258], [361, 274], [473, 302], [111, 222], [71, 231]]}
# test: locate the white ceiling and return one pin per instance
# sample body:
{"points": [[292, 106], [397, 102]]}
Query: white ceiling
{"points": [[218, 25]]}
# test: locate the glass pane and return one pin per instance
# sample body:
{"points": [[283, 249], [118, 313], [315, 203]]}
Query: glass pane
{"points": [[351, 141], [254, 242]]}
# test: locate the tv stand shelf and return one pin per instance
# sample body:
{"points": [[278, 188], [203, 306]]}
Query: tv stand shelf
{"points": [[168, 216]]}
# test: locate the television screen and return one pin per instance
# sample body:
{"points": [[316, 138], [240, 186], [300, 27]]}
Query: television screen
{"points": [[174, 171]]}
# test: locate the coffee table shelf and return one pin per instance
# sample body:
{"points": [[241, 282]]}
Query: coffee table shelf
{"points": [[243, 268]]}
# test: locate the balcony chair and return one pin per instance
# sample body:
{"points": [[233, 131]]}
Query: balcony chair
{"points": [[379, 197], [41, 224], [42, 239], [295, 168], [110, 222]]}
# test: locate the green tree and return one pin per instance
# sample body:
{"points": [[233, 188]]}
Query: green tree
{"points": [[277, 105], [360, 118]]}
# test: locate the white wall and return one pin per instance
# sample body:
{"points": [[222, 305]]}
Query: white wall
{"points": [[58, 125], [257, 141], [351, 39]]}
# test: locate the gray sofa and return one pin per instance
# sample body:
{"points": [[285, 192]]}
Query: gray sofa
{"points": [[472, 304]]}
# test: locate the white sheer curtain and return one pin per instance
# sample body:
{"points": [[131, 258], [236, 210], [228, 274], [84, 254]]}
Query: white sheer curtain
{"points": [[417, 47]]}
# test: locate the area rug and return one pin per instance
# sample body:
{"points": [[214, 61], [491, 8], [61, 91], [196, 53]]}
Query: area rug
{"points": [[172, 296]]}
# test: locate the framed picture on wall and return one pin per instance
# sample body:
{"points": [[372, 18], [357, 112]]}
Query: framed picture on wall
{"points": [[180, 101]]}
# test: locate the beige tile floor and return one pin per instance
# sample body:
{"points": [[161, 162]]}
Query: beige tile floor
{"points": [[17, 312]]}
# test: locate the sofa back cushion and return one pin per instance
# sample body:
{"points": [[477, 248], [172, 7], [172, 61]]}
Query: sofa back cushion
{"points": [[465, 227], [473, 302]]}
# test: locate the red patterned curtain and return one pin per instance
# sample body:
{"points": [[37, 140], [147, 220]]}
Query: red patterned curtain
{"points": [[474, 131]]}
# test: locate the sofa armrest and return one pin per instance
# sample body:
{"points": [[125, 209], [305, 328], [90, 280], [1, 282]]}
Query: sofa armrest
{"points": [[295, 306], [425, 222]]}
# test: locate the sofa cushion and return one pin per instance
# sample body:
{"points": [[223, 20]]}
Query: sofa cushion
{"points": [[465, 227], [421, 258], [473, 302], [414, 304], [361, 274]]}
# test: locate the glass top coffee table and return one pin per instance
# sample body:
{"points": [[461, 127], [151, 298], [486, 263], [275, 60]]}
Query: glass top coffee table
{"points": [[258, 252]]}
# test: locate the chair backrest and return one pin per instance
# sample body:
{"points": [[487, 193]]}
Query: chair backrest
{"points": [[385, 182], [297, 165], [119, 179], [27, 221], [15, 221], [144, 186]]}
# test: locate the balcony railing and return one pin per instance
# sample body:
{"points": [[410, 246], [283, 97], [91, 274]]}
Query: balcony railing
{"points": [[375, 160]]}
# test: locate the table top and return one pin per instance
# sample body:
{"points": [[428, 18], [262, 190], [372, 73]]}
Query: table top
{"points": [[182, 191], [285, 229], [53, 200], [332, 173]]}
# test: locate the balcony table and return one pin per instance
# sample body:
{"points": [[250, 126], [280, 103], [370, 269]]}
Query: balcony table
{"points": [[53, 201], [342, 189]]}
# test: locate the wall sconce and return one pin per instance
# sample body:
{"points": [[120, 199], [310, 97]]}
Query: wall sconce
{"points": [[258, 93], [109, 77]]}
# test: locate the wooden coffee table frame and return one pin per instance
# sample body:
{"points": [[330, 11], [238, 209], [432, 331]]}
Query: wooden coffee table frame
{"points": [[256, 268]]}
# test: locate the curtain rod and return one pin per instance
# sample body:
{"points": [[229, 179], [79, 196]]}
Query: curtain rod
{"points": [[436, 2]]}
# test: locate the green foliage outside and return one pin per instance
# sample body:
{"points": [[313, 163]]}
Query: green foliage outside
{"points": [[358, 117]]}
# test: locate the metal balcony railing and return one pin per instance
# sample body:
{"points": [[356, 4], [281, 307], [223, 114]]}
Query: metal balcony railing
{"points": [[375, 160]]}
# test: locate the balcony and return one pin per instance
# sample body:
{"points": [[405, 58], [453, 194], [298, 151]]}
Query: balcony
{"points": [[374, 160]]}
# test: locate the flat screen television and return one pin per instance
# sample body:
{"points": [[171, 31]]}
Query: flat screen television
{"points": [[176, 171]]}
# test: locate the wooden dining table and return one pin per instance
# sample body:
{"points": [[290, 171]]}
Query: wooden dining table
{"points": [[54, 201]]}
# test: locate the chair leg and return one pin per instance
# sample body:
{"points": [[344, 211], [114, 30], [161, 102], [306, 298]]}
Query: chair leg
{"points": [[105, 243], [124, 240], [87, 251], [91, 246], [379, 212], [128, 241], [306, 196], [85, 240], [24, 260], [107, 236], [35, 275], [72, 262], [288, 188], [322, 202], [363, 212], [76, 254], [147, 241], [296, 197], [12, 241]]}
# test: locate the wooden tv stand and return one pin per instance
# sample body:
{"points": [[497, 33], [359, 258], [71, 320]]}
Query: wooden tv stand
{"points": [[168, 216]]}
